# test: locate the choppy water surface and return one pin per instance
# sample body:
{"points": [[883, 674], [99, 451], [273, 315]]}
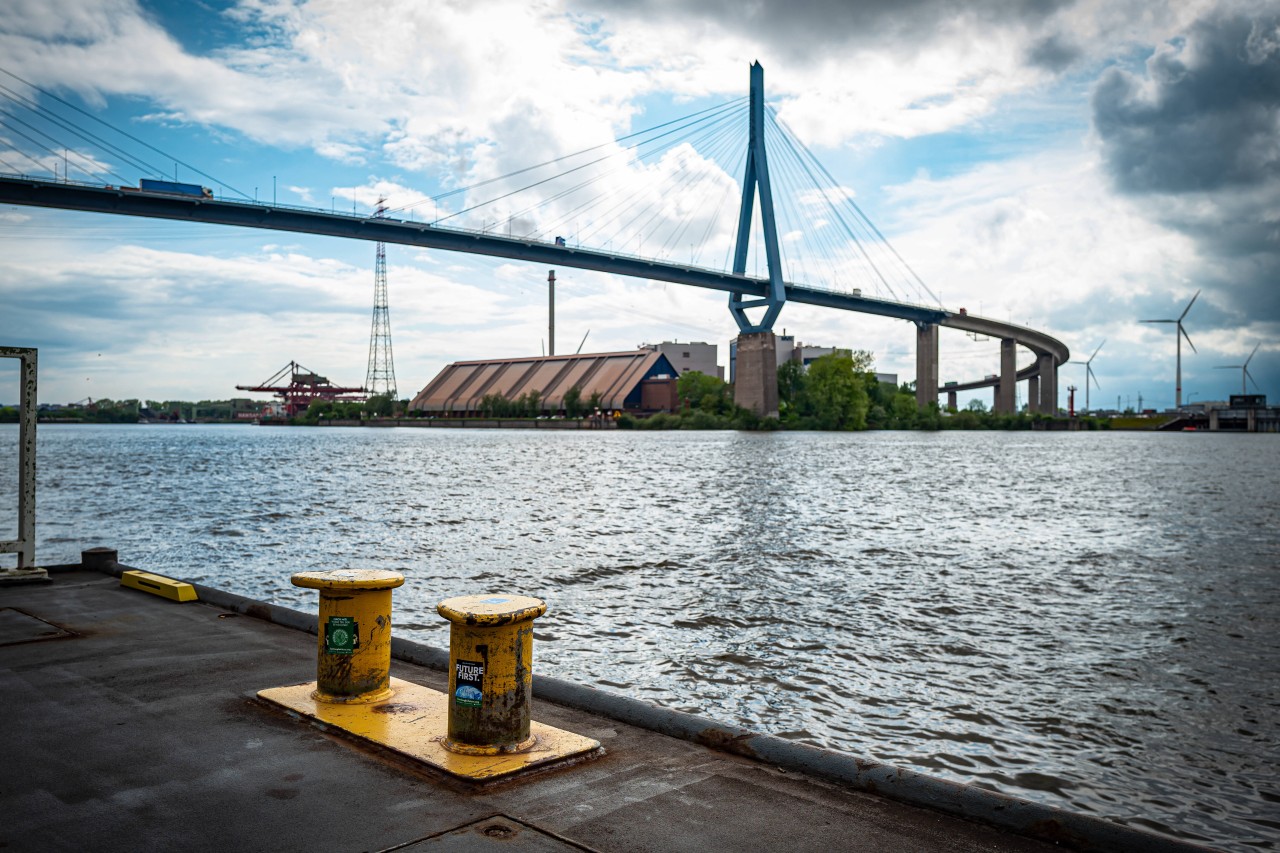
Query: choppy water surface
{"points": [[1089, 620]]}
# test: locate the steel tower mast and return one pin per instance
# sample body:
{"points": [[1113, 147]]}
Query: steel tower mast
{"points": [[756, 178], [381, 377]]}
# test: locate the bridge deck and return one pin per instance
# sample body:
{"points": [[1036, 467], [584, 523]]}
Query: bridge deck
{"points": [[128, 202]]}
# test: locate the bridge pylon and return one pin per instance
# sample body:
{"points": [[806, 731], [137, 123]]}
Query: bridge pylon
{"points": [[756, 178], [756, 380]]}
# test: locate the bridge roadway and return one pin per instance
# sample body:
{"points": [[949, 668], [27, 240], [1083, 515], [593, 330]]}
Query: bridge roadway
{"points": [[94, 198]]}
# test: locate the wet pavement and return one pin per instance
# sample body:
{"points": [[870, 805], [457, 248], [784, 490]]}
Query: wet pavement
{"points": [[132, 723]]}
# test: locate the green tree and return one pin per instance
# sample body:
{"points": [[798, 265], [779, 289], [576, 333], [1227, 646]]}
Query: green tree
{"points": [[380, 405], [836, 391], [530, 404], [791, 379], [904, 410], [573, 403], [494, 406], [707, 393]]}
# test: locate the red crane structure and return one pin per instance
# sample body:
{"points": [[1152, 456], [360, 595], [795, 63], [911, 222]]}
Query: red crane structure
{"points": [[304, 386]]}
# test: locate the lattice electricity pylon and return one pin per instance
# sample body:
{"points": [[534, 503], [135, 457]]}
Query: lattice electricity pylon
{"points": [[757, 175], [381, 377]]}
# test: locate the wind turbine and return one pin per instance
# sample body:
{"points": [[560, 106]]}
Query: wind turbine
{"points": [[1181, 333], [1089, 374], [1244, 370]]}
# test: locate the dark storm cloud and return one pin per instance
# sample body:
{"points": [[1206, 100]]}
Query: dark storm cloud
{"points": [[804, 28], [1054, 53], [1198, 140], [1208, 120]]}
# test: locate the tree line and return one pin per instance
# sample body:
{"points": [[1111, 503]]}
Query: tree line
{"points": [[838, 391]]}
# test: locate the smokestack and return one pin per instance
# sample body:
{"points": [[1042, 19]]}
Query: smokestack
{"points": [[551, 312]]}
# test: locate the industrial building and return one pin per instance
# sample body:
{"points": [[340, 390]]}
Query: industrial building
{"points": [[1244, 413], [696, 355], [641, 381]]}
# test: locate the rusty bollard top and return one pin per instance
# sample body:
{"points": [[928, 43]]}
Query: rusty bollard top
{"points": [[491, 611], [348, 579]]}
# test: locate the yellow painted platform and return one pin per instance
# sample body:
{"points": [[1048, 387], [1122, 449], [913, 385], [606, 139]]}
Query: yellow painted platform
{"points": [[413, 722], [158, 585]]}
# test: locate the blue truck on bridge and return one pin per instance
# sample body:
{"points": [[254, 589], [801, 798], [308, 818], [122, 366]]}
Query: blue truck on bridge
{"points": [[174, 188]]}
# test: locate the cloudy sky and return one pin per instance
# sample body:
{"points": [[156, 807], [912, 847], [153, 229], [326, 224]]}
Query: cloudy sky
{"points": [[1075, 166]]}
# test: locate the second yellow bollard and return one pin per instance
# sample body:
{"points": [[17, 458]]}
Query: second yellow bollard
{"points": [[490, 672]]}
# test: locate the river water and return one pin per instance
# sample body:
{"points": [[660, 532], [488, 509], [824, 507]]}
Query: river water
{"points": [[1091, 620]]}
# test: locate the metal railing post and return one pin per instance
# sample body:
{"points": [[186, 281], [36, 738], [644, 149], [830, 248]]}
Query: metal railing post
{"points": [[25, 545]]}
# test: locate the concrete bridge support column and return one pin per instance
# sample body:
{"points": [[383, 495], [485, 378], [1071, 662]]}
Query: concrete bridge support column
{"points": [[1005, 394], [952, 403], [926, 364], [1048, 385], [1033, 394], [755, 385]]}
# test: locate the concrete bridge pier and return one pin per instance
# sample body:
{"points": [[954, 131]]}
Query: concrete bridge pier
{"points": [[952, 402], [1033, 394], [1008, 385], [755, 385], [926, 364], [1048, 385]]}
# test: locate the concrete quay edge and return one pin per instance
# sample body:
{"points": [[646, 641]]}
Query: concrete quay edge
{"points": [[1022, 817]]}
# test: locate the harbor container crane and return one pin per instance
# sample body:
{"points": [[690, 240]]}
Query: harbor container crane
{"points": [[302, 386]]}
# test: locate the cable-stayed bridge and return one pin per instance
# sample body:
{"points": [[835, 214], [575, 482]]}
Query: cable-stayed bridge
{"points": [[629, 207]]}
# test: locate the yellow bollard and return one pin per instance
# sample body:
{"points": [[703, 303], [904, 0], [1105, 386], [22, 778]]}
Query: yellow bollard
{"points": [[479, 731], [490, 672], [353, 666]]}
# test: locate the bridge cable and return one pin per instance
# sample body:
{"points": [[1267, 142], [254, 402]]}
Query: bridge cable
{"points": [[57, 156], [17, 171], [86, 135], [863, 215], [724, 106], [740, 167], [718, 107], [845, 258], [627, 199], [124, 133], [837, 254], [712, 158], [94, 173], [638, 156], [732, 138], [844, 223], [736, 164], [788, 172], [550, 226], [681, 186]]}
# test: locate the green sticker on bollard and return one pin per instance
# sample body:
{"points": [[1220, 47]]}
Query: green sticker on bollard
{"points": [[468, 683], [340, 634]]}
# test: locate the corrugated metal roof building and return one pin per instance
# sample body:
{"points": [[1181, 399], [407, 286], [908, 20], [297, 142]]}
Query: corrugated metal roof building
{"points": [[640, 380]]}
